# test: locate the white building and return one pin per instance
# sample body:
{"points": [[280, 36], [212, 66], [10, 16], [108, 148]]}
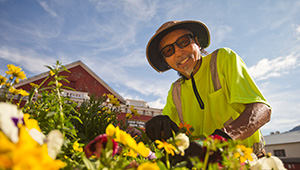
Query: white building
{"points": [[285, 146]]}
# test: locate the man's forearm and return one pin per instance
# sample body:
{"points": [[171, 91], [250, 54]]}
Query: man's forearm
{"points": [[253, 117]]}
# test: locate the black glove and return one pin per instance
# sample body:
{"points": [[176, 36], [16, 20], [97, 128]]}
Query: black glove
{"points": [[194, 150], [222, 134], [160, 127]]}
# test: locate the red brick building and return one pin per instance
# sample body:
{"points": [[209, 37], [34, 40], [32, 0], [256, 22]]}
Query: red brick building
{"points": [[87, 83]]}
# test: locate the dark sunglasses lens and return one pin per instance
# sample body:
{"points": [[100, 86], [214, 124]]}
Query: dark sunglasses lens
{"points": [[183, 41], [167, 51]]}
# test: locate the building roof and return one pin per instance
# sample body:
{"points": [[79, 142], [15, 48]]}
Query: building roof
{"points": [[69, 66], [283, 138]]}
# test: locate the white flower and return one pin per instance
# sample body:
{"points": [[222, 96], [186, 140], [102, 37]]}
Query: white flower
{"points": [[36, 135], [271, 163], [10, 117], [182, 143], [54, 142], [266, 163]]}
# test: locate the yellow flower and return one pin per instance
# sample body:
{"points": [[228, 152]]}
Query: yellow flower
{"points": [[243, 153], [13, 91], [34, 85], [128, 115], [110, 96], [6, 144], [28, 154], [6, 148], [76, 147], [2, 80], [236, 155], [142, 149], [23, 92], [59, 84], [51, 73], [148, 166], [17, 80], [31, 123], [110, 130], [125, 139], [113, 100], [104, 108], [133, 111], [15, 71], [169, 148], [131, 153]]}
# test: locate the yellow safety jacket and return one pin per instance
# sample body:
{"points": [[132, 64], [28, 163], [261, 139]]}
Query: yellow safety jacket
{"points": [[221, 106]]}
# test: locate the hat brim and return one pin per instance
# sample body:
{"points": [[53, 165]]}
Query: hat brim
{"points": [[154, 57]]}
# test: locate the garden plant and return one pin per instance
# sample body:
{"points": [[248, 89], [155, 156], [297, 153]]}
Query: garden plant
{"points": [[42, 129]]}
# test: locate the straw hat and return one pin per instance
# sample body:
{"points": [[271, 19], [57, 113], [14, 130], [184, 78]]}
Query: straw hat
{"points": [[154, 57]]}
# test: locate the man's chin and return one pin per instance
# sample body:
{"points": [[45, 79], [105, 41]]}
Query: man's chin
{"points": [[187, 72]]}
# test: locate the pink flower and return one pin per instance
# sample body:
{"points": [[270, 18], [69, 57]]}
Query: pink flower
{"points": [[218, 137], [96, 146]]}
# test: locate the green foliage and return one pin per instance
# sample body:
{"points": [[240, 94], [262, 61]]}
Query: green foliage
{"points": [[94, 116], [82, 124], [77, 123]]}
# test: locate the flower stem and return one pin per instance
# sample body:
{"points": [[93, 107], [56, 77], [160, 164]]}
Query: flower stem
{"points": [[167, 161], [206, 158]]}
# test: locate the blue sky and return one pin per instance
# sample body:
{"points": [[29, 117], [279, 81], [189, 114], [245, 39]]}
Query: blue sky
{"points": [[110, 37]]}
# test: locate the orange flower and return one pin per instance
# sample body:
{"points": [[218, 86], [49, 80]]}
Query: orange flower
{"points": [[186, 127]]}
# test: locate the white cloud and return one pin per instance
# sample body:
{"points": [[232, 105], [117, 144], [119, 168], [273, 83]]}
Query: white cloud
{"points": [[297, 29], [133, 10], [266, 68], [47, 8], [27, 59], [159, 103], [140, 10], [285, 104], [220, 32]]}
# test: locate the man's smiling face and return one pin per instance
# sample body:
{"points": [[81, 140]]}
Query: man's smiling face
{"points": [[184, 59]]}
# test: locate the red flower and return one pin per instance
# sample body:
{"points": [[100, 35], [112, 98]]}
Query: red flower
{"points": [[96, 146], [218, 137]]}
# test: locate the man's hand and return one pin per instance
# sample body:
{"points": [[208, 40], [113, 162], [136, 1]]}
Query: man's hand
{"points": [[160, 127], [222, 134]]}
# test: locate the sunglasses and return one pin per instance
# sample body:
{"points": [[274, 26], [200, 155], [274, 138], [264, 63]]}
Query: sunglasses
{"points": [[181, 42]]}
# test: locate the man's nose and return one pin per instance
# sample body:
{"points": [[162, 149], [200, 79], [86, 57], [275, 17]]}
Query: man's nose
{"points": [[178, 51]]}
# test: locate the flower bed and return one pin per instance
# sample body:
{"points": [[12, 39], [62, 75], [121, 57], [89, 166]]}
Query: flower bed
{"points": [[53, 132]]}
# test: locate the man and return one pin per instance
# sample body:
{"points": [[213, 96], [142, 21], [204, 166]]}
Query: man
{"points": [[215, 93]]}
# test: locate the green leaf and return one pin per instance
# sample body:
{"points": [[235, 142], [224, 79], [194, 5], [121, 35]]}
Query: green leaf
{"points": [[65, 69], [69, 88], [161, 165], [51, 83], [49, 114], [49, 67], [63, 79], [76, 118]]}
